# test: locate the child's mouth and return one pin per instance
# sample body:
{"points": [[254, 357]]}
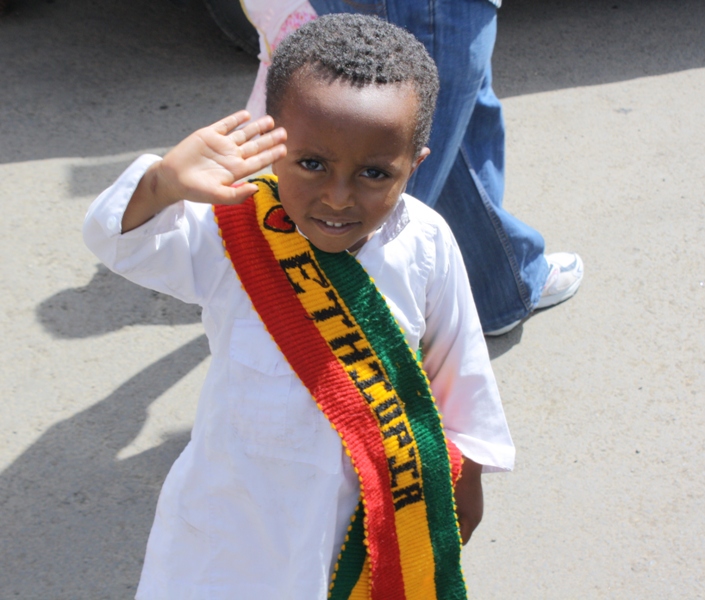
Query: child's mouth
{"points": [[334, 227]]}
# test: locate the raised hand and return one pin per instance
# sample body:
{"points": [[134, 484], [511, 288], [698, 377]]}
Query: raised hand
{"points": [[205, 166]]}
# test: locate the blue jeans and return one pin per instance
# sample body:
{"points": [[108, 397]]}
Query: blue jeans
{"points": [[463, 178]]}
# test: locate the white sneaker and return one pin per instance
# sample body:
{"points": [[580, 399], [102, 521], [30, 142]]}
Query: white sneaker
{"points": [[564, 278]]}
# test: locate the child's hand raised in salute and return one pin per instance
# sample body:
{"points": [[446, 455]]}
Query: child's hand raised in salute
{"points": [[205, 165]]}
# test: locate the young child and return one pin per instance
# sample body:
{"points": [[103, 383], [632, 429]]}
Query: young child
{"points": [[318, 465]]}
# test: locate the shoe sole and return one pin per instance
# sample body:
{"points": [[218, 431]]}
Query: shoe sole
{"points": [[503, 330]]}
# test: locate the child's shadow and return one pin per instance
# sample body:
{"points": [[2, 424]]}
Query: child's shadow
{"points": [[74, 519], [108, 303]]}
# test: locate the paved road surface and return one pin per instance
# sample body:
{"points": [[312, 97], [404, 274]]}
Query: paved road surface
{"points": [[604, 394]]}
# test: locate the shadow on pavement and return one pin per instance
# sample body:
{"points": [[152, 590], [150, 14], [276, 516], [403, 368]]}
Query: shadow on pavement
{"points": [[502, 344], [108, 303], [74, 519], [91, 180]]}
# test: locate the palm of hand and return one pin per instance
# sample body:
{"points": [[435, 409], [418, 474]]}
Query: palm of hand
{"points": [[205, 165]]}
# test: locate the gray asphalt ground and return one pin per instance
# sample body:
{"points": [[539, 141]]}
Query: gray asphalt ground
{"points": [[604, 394]]}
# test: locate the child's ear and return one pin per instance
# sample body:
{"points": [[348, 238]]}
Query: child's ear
{"points": [[425, 151]]}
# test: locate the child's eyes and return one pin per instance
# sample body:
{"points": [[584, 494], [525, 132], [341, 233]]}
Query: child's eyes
{"points": [[311, 165], [373, 174]]}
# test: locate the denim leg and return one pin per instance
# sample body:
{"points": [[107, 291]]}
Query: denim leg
{"points": [[463, 178], [503, 255], [366, 7]]}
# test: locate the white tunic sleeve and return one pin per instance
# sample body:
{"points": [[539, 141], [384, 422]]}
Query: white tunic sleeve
{"points": [[168, 252], [458, 364]]}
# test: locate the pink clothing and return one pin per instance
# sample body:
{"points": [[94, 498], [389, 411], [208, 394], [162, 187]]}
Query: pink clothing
{"points": [[302, 14]]}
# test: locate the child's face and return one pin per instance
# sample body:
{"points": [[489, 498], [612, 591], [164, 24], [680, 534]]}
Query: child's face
{"points": [[349, 156]]}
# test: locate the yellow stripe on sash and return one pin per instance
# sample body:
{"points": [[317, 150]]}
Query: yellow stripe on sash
{"points": [[361, 591]]}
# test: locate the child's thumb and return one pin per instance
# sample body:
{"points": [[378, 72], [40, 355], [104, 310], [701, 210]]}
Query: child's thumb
{"points": [[238, 192]]}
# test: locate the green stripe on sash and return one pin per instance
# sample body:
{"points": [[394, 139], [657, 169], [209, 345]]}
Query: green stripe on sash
{"points": [[371, 311]]}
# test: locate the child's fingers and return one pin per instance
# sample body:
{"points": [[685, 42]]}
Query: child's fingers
{"points": [[233, 194], [226, 125], [262, 159], [238, 193], [258, 127], [262, 143], [251, 166]]}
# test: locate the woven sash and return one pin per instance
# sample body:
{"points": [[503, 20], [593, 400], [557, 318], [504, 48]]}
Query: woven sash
{"points": [[337, 333]]}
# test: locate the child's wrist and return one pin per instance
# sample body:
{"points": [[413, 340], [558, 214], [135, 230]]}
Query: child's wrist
{"points": [[160, 186]]}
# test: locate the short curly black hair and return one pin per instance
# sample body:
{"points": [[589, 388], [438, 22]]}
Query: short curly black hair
{"points": [[360, 49]]}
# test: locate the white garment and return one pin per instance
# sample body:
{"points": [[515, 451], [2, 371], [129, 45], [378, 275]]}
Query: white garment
{"points": [[258, 503]]}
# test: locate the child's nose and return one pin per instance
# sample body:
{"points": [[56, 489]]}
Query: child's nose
{"points": [[338, 195]]}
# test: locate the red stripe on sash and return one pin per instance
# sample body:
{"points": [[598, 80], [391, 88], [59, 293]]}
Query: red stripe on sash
{"points": [[315, 364]]}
